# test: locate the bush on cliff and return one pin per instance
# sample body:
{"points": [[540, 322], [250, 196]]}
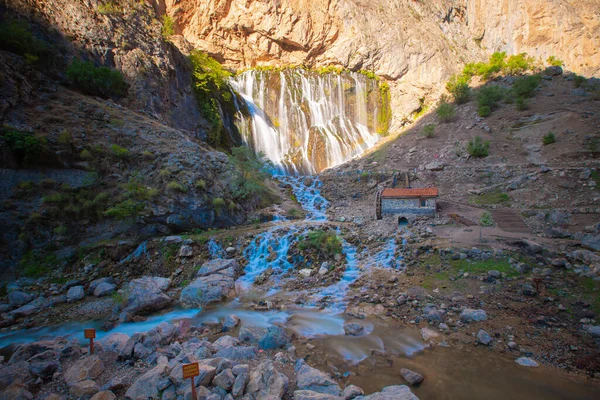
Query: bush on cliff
{"points": [[96, 81]]}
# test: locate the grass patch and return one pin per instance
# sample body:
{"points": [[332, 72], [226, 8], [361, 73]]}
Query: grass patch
{"points": [[446, 112], [324, 242], [26, 147], [549, 138], [496, 197], [119, 152], [486, 219], [429, 131], [478, 148], [168, 28]]}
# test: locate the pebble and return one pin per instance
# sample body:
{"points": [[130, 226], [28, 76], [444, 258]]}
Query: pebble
{"points": [[526, 362]]}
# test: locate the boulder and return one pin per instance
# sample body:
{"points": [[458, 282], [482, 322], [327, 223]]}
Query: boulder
{"points": [[273, 337], [353, 329], [309, 378], [526, 362], [305, 272], [186, 251], [115, 341], [17, 372], [18, 298], [484, 337], [240, 353], [352, 391], [265, 381], [44, 365], [223, 266], [208, 289], [31, 308], [311, 395], [413, 378], [146, 386], [593, 330], [224, 380], [104, 395], [96, 282], [84, 388], [435, 166], [471, 315], [16, 391], [87, 368], [225, 342], [428, 334], [75, 293], [229, 322], [396, 392], [104, 289], [242, 373], [145, 295]]}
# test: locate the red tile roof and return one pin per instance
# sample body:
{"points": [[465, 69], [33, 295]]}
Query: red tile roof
{"points": [[414, 192]]}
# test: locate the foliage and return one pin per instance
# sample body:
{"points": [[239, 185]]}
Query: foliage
{"points": [[579, 80], [488, 98], [125, 209], [15, 36], [495, 64], [86, 155], [477, 147], [119, 151], [446, 112], [175, 186], [25, 146], [384, 115], [495, 197], [521, 104], [200, 184], [218, 204], [64, 138], [458, 87], [252, 172], [34, 264], [486, 219], [330, 69], [325, 242], [518, 64], [549, 138], [168, 28], [525, 86], [429, 131], [110, 8], [212, 89], [60, 230], [135, 189], [555, 62], [96, 81]]}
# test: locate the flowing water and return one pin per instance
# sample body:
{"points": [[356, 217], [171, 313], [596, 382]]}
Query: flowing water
{"points": [[371, 360], [304, 121]]}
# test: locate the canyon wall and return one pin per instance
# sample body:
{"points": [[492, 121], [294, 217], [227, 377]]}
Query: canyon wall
{"points": [[416, 45]]}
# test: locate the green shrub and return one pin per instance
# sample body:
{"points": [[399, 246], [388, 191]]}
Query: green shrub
{"points": [[429, 131], [579, 80], [119, 151], [477, 147], [109, 8], [165, 173], [15, 36], [555, 62], [26, 147], [486, 219], [458, 87], [176, 187], [488, 98], [495, 64], [525, 86], [212, 91], [55, 198], [325, 242], [64, 138], [252, 172], [200, 184], [384, 113], [445, 112], [168, 28], [518, 64], [136, 189], [549, 138], [218, 204], [60, 230], [521, 104], [125, 209], [86, 155], [96, 81]]}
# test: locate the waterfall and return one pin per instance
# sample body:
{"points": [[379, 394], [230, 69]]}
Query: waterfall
{"points": [[305, 122]]}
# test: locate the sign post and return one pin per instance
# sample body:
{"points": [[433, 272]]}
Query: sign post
{"points": [[90, 334], [191, 371]]}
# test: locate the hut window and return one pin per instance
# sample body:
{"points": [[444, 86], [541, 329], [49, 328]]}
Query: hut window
{"points": [[423, 202]]}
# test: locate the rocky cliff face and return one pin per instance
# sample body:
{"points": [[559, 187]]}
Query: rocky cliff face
{"points": [[416, 45]]}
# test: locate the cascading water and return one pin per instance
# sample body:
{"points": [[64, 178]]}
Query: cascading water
{"points": [[215, 250], [305, 122], [389, 257]]}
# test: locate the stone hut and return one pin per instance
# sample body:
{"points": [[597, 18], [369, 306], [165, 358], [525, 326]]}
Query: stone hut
{"points": [[406, 203]]}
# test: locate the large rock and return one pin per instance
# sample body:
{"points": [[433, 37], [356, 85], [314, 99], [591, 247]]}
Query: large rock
{"points": [[44, 365], [97, 282], [84, 389], [309, 378], [16, 391], [145, 295], [470, 315], [265, 381], [115, 341], [215, 283], [34, 307], [397, 392], [240, 353], [146, 386], [104, 289], [311, 395], [104, 395], [413, 378], [273, 337], [14, 372], [352, 391], [353, 329], [224, 380], [18, 298], [89, 367], [593, 330], [75, 293]]}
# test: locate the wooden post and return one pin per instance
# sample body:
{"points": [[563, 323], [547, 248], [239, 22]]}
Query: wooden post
{"points": [[191, 371], [90, 334]]}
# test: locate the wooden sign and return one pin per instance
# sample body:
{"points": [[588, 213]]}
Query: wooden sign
{"points": [[190, 371], [90, 334]]}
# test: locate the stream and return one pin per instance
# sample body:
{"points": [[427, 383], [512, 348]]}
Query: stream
{"points": [[451, 372]]}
